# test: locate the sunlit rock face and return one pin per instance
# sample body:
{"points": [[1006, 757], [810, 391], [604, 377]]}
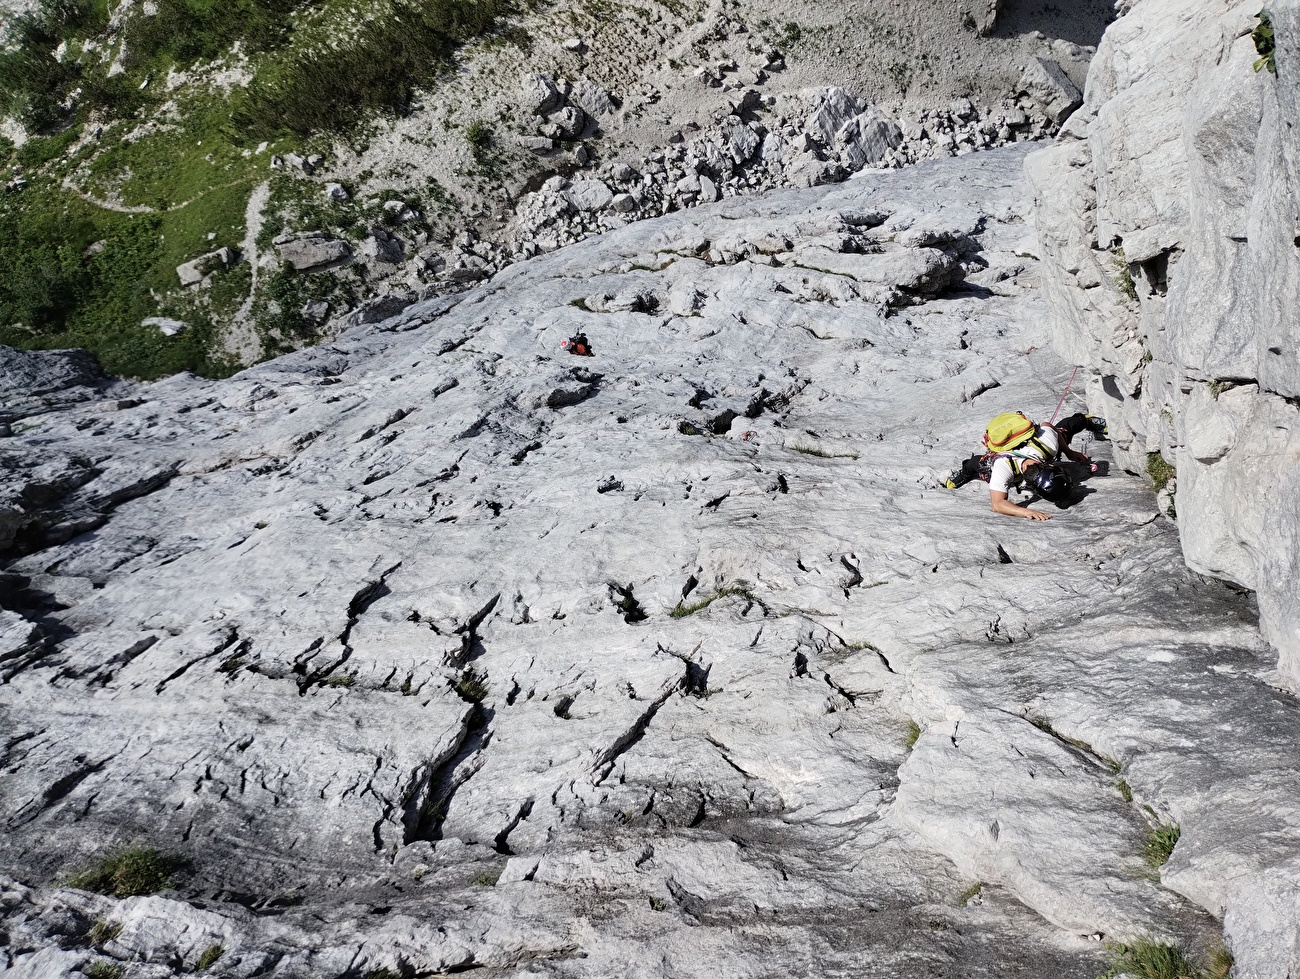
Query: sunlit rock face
{"points": [[439, 648], [1169, 218]]}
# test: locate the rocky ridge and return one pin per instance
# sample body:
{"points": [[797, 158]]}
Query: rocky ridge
{"points": [[435, 648], [1169, 217]]}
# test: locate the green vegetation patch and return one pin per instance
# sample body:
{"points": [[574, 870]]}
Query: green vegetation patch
{"points": [[126, 873], [1149, 959], [1123, 277], [375, 67], [124, 179], [104, 969], [209, 957], [1264, 44], [1160, 471], [912, 736], [1160, 842]]}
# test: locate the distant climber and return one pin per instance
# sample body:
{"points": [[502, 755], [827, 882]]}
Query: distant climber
{"points": [[578, 345], [1024, 453]]}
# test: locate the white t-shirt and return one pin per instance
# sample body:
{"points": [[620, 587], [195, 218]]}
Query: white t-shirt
{"points": [[1003, 475]]}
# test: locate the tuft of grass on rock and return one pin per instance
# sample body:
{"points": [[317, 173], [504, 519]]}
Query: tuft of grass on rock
{"points": [[1218, 963], [472, 687], [1126, 793], [822, 453], [127, 873], [913, 735], [1160, 842], [1160, 471], [970, 894], [683, 608], [104, 969], [103, 931], [209, 957], [1146, 958]]}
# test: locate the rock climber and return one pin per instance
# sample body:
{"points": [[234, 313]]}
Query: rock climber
{"points": [[1024, 453]]}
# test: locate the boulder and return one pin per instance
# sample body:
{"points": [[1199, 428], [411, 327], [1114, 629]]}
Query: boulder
{"points": [[192, 273], [165, 325], [337, 193], [589, 195], [740, 142], [313, 251], [623, 203], [1047, 84], [986, 14], [867, 138], [537, 144], [591, 99], [383, 246], [316, 311], [401, 212], [569, 121], [835, 108], [538, 94]]}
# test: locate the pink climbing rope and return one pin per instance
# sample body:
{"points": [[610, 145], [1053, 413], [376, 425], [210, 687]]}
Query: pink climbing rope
{"points": [[1063, 397]]}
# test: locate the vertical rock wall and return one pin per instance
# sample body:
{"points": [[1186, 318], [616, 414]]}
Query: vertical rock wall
{"points": [[1168, 214]]}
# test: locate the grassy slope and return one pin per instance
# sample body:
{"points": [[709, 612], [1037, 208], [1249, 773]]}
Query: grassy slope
{"points": [[188, 157]]}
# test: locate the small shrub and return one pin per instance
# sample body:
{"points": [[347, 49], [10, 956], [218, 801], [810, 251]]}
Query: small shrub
{"points": [[1160, 843], [479, 135], [209, 957], [1264, 44], [472, 687], [1123, 277], [487, 879], [340, 680], [103, 969], [127, 873], [1160, 471], [657, 903], [1126, 793], [970, 894]]}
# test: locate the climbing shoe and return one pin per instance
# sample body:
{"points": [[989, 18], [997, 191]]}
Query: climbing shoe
{"points": [[957, 478], [1097, 426]]}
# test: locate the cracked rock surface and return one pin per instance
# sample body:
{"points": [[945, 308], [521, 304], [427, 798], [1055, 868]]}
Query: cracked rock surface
{"points": [[438, 649]]}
